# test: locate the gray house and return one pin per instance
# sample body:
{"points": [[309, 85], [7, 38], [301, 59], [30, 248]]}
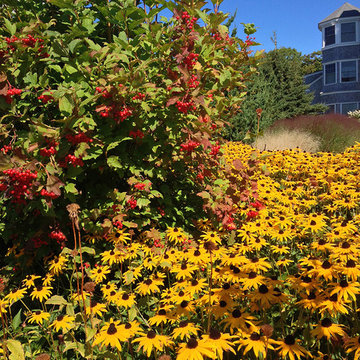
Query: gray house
{"points": [[338, 84]]}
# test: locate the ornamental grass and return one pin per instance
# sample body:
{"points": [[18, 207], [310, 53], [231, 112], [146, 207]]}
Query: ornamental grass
{"points": [[284, 284]]}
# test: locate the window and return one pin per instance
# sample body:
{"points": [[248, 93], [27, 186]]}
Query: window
{"points": [[330, 35], [348, 71], [345, 108], [330, 74], [348, 32]]}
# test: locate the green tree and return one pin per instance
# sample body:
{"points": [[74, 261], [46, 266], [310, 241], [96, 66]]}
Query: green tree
{"points": [[311, 62], [278, 89]]}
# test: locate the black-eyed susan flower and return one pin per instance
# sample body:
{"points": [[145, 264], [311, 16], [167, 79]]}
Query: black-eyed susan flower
{"points": [[41, 293], [185, 330], [147, 287], [57, 265], [219, 342], [63, 322], [15, 295], [110, 335], [239, 319], [152, 341], [326, 328], [98, 274], [38, 317], [252, 280], [175, 235], [29, 280], [194, 349], [345, 290], [211, 236], [125, 300], [290, 347], [48, 279], [95, 308], [120, 236], [4, 304], [353, 344], [162, 317], [255, 342]]}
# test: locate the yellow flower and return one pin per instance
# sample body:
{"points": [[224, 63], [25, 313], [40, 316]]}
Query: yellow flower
{"points": [[255, 342], [63, 322], [39, 317], [327, 329], [57, 265], [152, 341], [15, 295], [219, 342], [99, 273], [195, 350], [41, 293], [185, 330], [290, 347], [29, 281], [110, 334]]}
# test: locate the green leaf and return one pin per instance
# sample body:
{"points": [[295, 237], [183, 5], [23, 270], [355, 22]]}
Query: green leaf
{"points": [[17, 351], [70, 188], [89, 250], [66, 104], [114, 144], [10, 27], [73, 44], [114, 162], [56, 300], [16, 320], [30, 79], [70, 69]]}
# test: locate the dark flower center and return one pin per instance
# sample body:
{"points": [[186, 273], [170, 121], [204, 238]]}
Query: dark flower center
{"points": [[214, 334], [39, 288], [312, 222], [322, 242], [222, 303], [111, 329], [255, 260], [226, 286], [183, 323], [312, 296], [113, 293], [151, 334], [306, 279], [350, 264], [183, 267], [252, 275], [194, 283], [184, 304], [127, 326], [93, 303], [263, 289], [192, 343], [333, 297], [37, 312], [255, 336], [236, 313], [345, 245], [181, 293], [125, 297], [197, 253], [60, 318], [148, 282], [326, 322], [236, 270], [162, 312], [326, 265], [344, 283], [289, 340]]}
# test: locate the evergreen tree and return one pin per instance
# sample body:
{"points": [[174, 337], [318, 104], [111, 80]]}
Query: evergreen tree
{"points": [[278, 89]]}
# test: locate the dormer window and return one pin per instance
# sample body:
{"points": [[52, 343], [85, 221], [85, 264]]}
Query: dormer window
{"points": [[348, 32], [330, 35]]}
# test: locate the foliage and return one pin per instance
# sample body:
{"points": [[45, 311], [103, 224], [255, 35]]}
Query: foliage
{"points": [[311, 63], [285, 284], [335, 132], [355, 114], [278, 89], [113, 107]]}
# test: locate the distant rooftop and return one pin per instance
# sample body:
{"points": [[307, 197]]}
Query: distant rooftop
{"points": [[346, 10]]}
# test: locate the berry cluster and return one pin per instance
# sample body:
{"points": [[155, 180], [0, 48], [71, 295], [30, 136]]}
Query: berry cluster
{"points": [[73, 160], [11, 93], [50, 149], [158, 243], [45, 98], [28, 41], [78, 138], [185, 106], [136, 134], [189, 146], [132, 203], [18, 183], [193, 82], [215, 150], [118, 115], [104, 93], [48, 194], [139, 96], [249, 41], [5, 149], [187, 20], [191, 60], [139, 186], [58, 236]]}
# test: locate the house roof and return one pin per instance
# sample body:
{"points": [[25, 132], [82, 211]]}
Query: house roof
{"points": [[346, 10]]}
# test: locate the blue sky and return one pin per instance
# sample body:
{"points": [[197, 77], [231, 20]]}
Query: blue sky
{"points": [[295, 21]]}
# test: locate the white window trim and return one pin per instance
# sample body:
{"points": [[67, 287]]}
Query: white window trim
{"points": [[329, 63], [356, 70], [350, 102]]}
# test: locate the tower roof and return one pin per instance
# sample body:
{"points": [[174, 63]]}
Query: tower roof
{"points": [[346, 10]]}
